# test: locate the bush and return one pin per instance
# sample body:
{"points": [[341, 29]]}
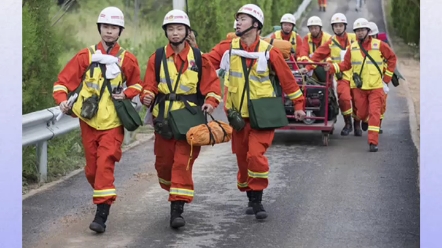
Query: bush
{"points": [[406, 19]]}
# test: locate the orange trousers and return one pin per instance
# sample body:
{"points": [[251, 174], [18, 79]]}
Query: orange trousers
{"points": [[172, 158], [353, 104], [369, 105], [344, 97], [384, 108], [322, 3], [102, 149], [249, 146]]}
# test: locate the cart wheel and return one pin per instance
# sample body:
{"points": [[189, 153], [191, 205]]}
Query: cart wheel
{"points": [[325, 138]]}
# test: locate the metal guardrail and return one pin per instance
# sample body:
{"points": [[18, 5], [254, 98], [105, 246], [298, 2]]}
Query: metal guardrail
{"points": [[41, 126]]}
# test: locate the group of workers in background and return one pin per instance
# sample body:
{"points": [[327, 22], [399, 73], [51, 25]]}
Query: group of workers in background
{"points": [[172, 81]]}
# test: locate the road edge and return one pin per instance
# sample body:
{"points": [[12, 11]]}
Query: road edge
{"points": [[77, 171], [412, 117]]}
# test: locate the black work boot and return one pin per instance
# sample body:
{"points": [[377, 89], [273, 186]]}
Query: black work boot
{"points": [[348, 127], [249, 209], [258, 208], [357, 128], [364, 126], [98, 224], [373, 148], [176, 209]]}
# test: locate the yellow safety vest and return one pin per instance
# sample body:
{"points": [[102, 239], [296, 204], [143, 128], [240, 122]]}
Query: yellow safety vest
{"points": [[259, 84], [187, 84], [325, 37], [106, 117], [370, 75], [337, 54], [278, 36]]}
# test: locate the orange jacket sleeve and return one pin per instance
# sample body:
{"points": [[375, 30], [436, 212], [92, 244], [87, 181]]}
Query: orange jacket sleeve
{"points": [[216, 54], [323, 52], [287, 80], [391, 59], [131, 71], [150, 85], [305, 49], [70, 77], [210, 86]]}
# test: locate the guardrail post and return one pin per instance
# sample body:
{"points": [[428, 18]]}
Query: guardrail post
{"points": [[42, 156]]}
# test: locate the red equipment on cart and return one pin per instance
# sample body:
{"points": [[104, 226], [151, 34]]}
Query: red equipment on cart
{"points": [[321, 105]]}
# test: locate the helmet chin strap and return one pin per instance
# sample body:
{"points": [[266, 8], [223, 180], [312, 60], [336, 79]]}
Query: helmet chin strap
{"points": [[239, 34]]}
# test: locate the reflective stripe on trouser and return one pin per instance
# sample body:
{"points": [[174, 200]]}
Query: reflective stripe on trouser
{"points": [[384, 107], [102, 148], [250, 145], [354, 109], [369, 104], [344, 97], [171, 159]]}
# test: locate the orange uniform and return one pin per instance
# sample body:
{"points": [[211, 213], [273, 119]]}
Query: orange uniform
{"points": [[172, 156], [249, 145], [102, 148], [305, 50], [369, 102]]}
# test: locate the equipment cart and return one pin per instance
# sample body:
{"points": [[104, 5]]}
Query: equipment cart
{"points": [[321, 105]]}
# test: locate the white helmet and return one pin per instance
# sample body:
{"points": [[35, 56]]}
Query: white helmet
{"points": [[111, 16], [176, 16], [361, 23], [252, 10], [338, 18], [288, 18], [314, 21], [234, 24], [373, 28]]}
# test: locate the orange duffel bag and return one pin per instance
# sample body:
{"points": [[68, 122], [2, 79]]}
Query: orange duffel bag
{"points": [[214, 132], [231, 36], [285, 47]]}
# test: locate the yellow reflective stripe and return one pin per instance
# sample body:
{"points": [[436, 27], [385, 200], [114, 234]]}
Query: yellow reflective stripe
{"points": [[148, 92], [60, 88], [295, 95], [258, 174], [180, 191], [382, 117], [165, 182], [373, 128], [349, 111], [305, 57], [329, 59], [243, 185], [136, 86], [104, 192], [93, 85], [336, 66], [388, 73], [217, 97]]}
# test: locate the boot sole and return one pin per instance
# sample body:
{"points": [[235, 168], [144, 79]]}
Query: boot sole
{"points": [[177, 223], [261, 215], [97, 227]]}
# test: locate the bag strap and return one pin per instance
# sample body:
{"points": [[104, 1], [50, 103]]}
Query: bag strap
{"points": [[339, 45], [199, 64], [212, 137], [370, 58], [106, 82], [247, 75]]}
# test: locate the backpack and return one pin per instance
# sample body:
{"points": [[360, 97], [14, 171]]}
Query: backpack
{"points": [[198, 61]]}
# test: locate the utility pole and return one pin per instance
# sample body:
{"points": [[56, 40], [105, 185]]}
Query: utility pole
{"points": [[179, 4]]}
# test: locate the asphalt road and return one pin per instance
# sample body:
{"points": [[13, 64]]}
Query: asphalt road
{"points": [[336, 196]]}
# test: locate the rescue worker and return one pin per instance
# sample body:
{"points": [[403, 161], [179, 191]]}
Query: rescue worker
{"points": [[288, 24], [335, 48], [249, 145], [370, 94], [322, 5], [314, 39], [374, 32], [174, 158], [102, 134]]}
